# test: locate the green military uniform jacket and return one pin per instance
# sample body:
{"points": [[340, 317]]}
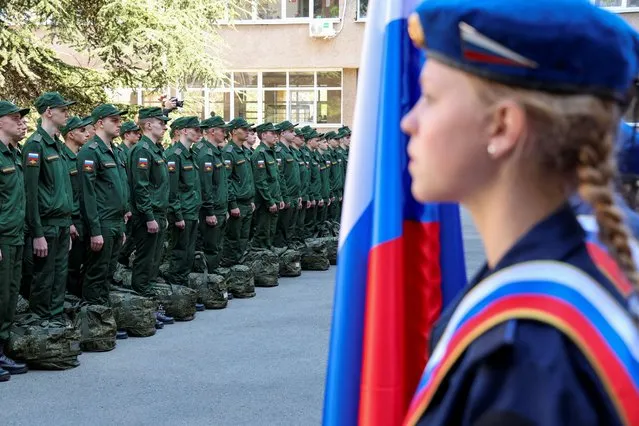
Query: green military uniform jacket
{"points": [[315, 182], [325, 172], [266, 174], [290, 173], [305, 173], [72, 163], [47, 183], [185, 197], [104, 194], [148, 180], [336, 175], [240, 175], [213, 180], [12, 197], [197, 147], [343, 163]]}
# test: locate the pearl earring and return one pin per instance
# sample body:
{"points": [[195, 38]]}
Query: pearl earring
{"points": [[492, 150]]}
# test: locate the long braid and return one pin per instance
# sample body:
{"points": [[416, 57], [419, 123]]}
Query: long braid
{"points": [[595, 173]]}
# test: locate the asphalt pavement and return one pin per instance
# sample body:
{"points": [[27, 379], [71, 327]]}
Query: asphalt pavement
{"points": [[261, 361]]}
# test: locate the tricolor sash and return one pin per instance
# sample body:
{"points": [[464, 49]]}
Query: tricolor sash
{"points": [[561, 296]]}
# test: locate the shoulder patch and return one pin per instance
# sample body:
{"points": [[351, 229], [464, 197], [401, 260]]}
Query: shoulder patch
{"points": [[278, 148], [94, 145], [199, 145], [177, 151], [209, 151], [229, 148], [36, 137], [144, 145]]}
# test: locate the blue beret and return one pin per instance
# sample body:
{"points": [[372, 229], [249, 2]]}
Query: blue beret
{"points": [[559, 46]]}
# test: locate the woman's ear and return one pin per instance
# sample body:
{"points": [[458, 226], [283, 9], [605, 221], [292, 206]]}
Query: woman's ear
{"points": [[506, 126]]}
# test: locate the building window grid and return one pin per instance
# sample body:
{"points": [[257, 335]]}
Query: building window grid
{"points": [[255, 13], [206, 93], [617, 5], [362, 10]]}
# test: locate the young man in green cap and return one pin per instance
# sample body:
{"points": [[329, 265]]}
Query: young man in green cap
{"points": [[75, 135], [291, 191], [336, 175], [241, 193], [214, 184], [185, 200], [299, 151], [103, 202], [12, 200], [323, 157], [49, 208], [315, 184], [130, 134], [149, 183], [268, 199]]}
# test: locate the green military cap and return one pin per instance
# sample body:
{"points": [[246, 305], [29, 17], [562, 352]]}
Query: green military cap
{"points": [[128, 126], [299, 132], [285, 125], [344, 130], [266, 127], [152, 112], [312, 134], [307, 129], [51, 100], [176, 122], [330, 135], [75, 123], [191, 122], [7, 108], [238, 123], [212, 122], [105, 110]]}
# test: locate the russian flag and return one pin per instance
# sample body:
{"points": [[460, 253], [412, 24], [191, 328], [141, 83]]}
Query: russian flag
{"points": [[400, 262]]}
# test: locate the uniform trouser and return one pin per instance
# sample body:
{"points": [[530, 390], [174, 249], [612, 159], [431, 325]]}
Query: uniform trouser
{"points": [[77, 261], [212, 240], [286, 226], [265, 224], [310, 224], [27, 268], [50, 273], [148, 250], [322, 214], [128, 247], [300, 224], [99, 269], [236, 236], [10, 274], [334, 210], [182, 252]]}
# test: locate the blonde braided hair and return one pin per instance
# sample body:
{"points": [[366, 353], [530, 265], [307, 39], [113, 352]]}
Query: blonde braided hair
{"points": [[573, 136]]}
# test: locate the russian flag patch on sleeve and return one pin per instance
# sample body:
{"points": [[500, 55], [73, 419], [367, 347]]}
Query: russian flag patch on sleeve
{"points": [[33, 159], [143, 163], [88, 166]]}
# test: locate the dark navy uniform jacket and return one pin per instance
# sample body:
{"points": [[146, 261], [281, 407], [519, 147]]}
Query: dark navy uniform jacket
{"points": [[524, 372]]}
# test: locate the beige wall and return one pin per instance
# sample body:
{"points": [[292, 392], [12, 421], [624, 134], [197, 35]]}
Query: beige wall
{"points": [[286, 46]]}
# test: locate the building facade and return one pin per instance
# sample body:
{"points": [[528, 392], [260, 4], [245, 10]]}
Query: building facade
{"points": [[294, 60]]}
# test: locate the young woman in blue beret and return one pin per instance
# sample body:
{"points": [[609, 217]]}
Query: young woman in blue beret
{"points": [[520, 106]]}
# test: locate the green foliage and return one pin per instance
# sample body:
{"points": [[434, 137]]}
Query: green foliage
{"points": [[114, 43]]}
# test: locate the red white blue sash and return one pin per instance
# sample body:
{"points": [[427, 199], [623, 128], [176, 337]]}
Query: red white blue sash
{"points": [[561, 296]]}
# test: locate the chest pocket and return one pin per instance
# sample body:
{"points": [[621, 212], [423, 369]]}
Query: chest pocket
{"points": [[187, 174]]}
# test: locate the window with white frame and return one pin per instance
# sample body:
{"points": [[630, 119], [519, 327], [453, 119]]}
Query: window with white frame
{"points": [[617, 4], [306, 97], [255, 10], [362, 9]]}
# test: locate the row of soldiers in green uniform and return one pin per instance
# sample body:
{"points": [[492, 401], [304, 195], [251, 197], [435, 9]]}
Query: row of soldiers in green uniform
{"points": [[70, 211]]}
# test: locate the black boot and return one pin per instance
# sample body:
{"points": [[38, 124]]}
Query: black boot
{"points": [[5, 376], [199, 307], [9, 365]]}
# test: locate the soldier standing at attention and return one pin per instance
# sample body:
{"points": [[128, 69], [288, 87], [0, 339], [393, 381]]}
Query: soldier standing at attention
{"points": [[149, 183], [300, 153], [315, 184], [130, 134], [323, 157], [75, 135], [49, 208], [103, 202], [268, 194], [241, 193], [214, 184], [12, 200], [290, 174], [185, 200]]}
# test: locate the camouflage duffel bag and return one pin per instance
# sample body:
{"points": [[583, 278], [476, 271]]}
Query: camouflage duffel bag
{"points": [[95, 322], [22, 307], [42, 346], [122, 276], [178, 301], [265, 266], [133, 313], [315, 256], [331, 249], [211, 290], [239, 281], [199, 263], [291, 263]]}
